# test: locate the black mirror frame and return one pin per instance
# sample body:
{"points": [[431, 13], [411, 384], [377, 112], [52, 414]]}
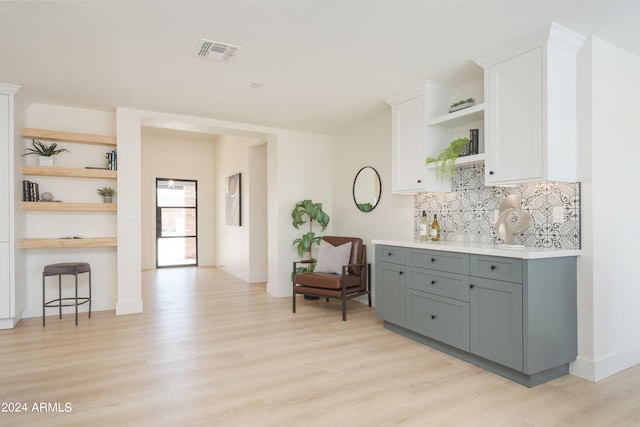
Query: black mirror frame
{"points": [[353, 189]]}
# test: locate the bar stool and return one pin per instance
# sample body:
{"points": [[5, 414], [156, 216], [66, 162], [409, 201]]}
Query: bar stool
{"points": [[61, 269]]}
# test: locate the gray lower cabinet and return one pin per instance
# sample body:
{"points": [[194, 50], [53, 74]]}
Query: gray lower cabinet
{"points": [[390, 270], [496, 321], [515, 317]]}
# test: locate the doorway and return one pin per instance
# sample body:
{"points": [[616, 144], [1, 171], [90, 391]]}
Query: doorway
{"points": [[176, 222]]}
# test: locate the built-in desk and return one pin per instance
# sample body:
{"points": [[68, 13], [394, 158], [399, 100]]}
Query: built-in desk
{"points": [[511, 311]]}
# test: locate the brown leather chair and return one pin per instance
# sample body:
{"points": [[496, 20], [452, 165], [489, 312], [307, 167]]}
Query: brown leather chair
{"points": [[354, 281]]}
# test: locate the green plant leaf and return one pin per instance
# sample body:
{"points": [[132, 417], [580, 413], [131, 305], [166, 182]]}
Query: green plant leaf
{"points": [[42, 149], [446, 160], [312, 211]]}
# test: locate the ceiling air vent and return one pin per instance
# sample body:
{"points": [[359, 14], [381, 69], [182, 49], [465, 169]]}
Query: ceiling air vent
{"points": [[218, 51]]}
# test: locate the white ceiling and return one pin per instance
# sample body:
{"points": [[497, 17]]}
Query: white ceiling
{"points": [[326, 65]]}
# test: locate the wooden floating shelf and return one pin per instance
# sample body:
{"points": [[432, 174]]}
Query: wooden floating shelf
{"points": [[92, 242], [69, 172], [54, 135], [70, 207]]}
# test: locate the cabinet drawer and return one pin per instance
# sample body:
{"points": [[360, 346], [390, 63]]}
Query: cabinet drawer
{"points": [[437, 282], [443, 319], [498, 268], [437, 260], [391, 254]]}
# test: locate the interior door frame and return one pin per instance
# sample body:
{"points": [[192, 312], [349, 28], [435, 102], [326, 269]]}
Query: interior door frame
{"points": [[158, 227]]}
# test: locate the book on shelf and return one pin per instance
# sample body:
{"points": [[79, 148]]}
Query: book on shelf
{"points": [[30, 191], [112, 160], [474, 141]]}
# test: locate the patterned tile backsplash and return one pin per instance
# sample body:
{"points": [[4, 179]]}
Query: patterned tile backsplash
{"points": [[468, 212]]}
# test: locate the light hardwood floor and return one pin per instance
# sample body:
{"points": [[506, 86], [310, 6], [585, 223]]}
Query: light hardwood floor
{"points": [[211, 350]]}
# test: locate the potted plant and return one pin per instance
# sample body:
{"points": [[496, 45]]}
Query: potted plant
{"points": [[313, 211], [46, 152], [447, 158], [462, 104], [107, 194]]}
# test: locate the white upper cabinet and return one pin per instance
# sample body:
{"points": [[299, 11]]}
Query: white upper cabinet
{"points": [[407, 152], [531, 111]]}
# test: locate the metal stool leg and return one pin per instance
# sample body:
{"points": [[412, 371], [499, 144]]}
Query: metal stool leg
{"points": [[89, 294], [76, 298], [60, 294], [44, 300]]}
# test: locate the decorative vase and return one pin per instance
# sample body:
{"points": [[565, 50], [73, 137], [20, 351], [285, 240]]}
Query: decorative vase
{"points": [[107, 199], [45, 160]]}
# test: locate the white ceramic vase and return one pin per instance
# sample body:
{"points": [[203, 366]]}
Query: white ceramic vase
{"points": [[45, 160]]}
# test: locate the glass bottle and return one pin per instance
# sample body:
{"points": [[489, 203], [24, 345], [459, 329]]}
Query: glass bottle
{"points": [[435, 229], [424, 225]]}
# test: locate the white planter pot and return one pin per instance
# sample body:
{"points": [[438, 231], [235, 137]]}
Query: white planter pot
{"points": [[45, 160]]}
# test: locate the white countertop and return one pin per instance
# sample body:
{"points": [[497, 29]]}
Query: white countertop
{"points": [[482, 249]]}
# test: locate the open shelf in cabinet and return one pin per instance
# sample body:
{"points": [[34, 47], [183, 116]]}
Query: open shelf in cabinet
{"points": [[54, 135], [69, 207], [466, 160], [89, 242], [460, 117]]}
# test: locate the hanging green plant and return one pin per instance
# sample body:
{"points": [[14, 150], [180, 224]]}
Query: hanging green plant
{"points": [[446, 160]]}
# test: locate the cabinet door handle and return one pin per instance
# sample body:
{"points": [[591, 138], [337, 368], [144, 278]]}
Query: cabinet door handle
{"points": [[433, 316], [400, 272], [433, 282], [389, 254], [491, 172], [419, 181], [493, 267], [472, 286], [433, 260]]}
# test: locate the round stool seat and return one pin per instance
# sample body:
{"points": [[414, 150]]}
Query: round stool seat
{"points": [[66, 268]]}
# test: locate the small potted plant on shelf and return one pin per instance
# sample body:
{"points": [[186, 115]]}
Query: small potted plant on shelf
{"points": [[462, 104], [107, 194], [44, 151], [446, 160]]}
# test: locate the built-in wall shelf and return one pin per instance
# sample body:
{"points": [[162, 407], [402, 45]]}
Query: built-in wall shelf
{"points": [[89, 242], [54, 135], [69, 207], [69, 172], [459, 117]]}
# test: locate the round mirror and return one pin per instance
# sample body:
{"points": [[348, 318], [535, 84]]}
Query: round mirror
{"points": [[367, 189]]}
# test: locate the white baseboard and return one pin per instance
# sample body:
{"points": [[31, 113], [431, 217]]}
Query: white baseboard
{"points": [[605, 367], [129, 307]]}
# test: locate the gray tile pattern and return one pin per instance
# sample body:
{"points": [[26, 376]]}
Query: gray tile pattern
{"points": [[468, 212]]}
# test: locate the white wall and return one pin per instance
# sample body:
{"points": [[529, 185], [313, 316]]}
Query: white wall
{"points": [[168, 153], [299, 167], [257, 208], [608, 312], [368, 144], [233, 243], [289, 179], [61, 224]]}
